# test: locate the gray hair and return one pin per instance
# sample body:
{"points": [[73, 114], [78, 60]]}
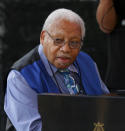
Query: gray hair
{"points": [[67, 15]]}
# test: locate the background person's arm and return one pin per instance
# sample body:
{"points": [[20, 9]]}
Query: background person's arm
{"points": [[106, 15]]}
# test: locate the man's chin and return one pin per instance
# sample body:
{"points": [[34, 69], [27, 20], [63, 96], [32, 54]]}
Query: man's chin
{"points": [[62, 65]]}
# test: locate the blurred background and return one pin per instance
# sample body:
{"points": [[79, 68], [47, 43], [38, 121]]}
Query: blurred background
{"points": [[20, 26]]}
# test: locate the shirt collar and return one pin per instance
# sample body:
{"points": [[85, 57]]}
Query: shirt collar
{"points": [[47, 66]]}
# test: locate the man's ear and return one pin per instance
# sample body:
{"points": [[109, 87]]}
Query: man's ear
{"points": [[42, 36]]}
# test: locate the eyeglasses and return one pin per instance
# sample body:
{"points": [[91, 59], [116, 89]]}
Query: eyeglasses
{"points": [[61, 42]]}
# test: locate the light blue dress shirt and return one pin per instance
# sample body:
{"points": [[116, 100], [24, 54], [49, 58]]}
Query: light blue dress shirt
{"points": [[21, 103]]}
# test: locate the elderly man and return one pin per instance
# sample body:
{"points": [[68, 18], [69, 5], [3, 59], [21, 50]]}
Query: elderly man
{"points": [[55, 66]]}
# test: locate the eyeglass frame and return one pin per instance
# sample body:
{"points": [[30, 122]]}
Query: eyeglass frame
{"points": [[63, 42]]}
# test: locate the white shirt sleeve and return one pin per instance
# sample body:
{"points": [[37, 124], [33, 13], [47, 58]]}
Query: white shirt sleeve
{"points": [[21, 104]]}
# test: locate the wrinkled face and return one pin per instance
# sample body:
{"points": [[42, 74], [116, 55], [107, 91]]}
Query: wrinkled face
{"points": [[61, 56]]}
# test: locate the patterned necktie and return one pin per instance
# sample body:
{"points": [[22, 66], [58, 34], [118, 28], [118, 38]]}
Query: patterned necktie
{"points": [[69, 81]]}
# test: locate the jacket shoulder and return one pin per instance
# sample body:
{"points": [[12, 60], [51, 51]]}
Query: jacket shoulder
{"points": [[85, 56], [27, 59]]}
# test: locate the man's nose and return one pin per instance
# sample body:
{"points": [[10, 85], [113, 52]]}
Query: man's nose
{"points": [[65, 47]]}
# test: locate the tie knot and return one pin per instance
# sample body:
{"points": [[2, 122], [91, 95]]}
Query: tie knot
{"points": [[64, 71]]}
